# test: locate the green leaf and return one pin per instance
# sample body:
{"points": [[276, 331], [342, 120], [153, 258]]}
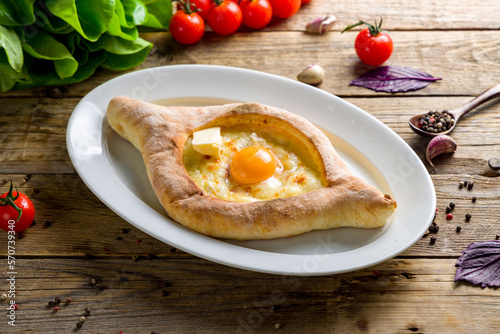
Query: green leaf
{"points": [[50, 22], [124, 62], [10, 42], [159, 14], [44, 46], [135, 12], [16, 12], [116, 29], [90, 18], [84, 71], [8, 76], [118, 45]]}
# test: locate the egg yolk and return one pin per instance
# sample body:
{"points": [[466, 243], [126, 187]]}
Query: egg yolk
{"points": [[253, 164]]}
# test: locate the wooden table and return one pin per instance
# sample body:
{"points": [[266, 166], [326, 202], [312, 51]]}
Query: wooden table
{"points": [[80, 249]]}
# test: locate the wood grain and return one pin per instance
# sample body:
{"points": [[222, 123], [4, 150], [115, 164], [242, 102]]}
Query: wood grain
{"points": [[180, 295], [143, 285], [467, 61]]}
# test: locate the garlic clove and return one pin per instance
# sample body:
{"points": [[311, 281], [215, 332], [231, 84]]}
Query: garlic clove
{"points": [[312, 74], [321, 24], [439, 145]]}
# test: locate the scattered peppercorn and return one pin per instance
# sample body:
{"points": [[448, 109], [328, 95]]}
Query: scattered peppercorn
{"points": [[468, 217], [449, 216], [57, 300], [56, 308], [433, 228], [135, 258], [474, 199], [119, 238], [15, 306], [93, 281], [68, 301], [277, 326], [448, 209], [471, 184], [466, 183], [48, 223], [52, 303], [87, 312], [33, 223], [461, 184], [139, 241], [376, 273], [79, 325], [497, 236], [125, 230], [459, 228], [82, 319], [433, 240], [452, 205]]}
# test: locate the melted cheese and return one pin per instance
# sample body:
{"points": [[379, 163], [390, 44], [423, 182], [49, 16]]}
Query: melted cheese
{"points": [[211, 173]]}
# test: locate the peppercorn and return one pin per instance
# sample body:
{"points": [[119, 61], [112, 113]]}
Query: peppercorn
{"points": [[470, 185], [79, 325], [56, 308], [474, 199], [459, 228], [57, 300], [448, 209], [87, 311], [461, 184], [497, 236], [119, 238], [468, 217], [68, 301], [466, 183], [452, 205], [82, 319], [4, 296], [449, 216], [433, 240]]}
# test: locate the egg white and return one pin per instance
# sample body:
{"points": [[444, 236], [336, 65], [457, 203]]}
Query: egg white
{"points": [[211, 174]]}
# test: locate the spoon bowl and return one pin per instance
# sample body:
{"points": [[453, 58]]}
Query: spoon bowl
{"points": [[456, 114]]}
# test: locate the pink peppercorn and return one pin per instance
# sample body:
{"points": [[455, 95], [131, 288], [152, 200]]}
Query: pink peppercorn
{"points": [[449, 216], [56, 308]]}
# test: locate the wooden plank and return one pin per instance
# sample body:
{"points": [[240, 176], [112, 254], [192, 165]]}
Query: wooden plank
{"points": [[33, 132], [192, 295], [81, 225], [467, 61]]}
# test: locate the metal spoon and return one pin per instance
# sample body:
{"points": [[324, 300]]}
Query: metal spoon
{"points": [[458, 113]]}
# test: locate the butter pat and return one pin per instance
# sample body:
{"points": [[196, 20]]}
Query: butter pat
{"points": [[207, 141]]}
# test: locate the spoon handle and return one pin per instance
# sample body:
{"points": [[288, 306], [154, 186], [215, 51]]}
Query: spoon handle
{"points": [[477, 101]]}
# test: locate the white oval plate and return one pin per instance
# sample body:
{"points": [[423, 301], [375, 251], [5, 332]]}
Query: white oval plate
{"points": [[113, 169]]}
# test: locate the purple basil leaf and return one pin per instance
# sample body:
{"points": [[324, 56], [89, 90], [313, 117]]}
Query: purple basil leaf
{"points": [[394, 79], [480, 264]]}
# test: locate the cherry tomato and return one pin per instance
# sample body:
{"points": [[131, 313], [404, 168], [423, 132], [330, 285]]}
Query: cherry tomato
{"points": [[372, 45], [201, 7], [303, 2], [256, 13], [285, 8], [16, 211], [187, 27], [224, 17]]}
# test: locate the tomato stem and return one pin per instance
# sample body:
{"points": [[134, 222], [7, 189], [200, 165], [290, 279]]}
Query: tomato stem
{"points": [[187, 7], [374, 29], [9, 200]]}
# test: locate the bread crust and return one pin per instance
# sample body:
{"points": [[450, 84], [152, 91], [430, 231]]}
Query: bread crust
{"points": [[160, 133]]}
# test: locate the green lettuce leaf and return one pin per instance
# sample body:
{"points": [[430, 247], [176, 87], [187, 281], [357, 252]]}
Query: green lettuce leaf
{"points": [[119, 25], [159, 14], [47, 21], [10, 42], [90, 18], [9, 76], [16, 12], [44, 46], [117, 62], [47, 78], [135, 13]]}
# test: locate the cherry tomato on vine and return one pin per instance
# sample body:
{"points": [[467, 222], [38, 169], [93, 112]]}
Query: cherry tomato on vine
{"points": [[202, 7], [372, 45], [186, 26], [256, 13], [285, 8], [16, 211], [224, 17]]}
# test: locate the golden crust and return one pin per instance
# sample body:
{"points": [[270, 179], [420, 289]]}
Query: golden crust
{"points": [[160, 134]]}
